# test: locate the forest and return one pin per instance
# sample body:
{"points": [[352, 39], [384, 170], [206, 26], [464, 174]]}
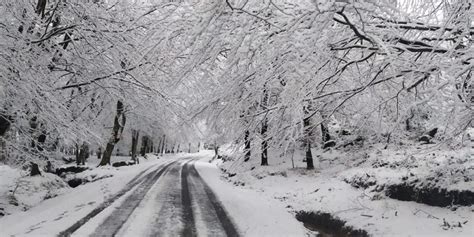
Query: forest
{"points": [[272, 87]]}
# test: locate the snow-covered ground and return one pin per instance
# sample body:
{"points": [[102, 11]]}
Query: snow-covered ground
{"points": [[20, 192], [50, 216], [263, 201], [331, 187], [252, 213]]}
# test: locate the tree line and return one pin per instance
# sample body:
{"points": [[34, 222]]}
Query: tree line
{"points": [[273, 74]]}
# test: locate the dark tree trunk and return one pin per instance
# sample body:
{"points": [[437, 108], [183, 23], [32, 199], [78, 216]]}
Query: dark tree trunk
{"points": [[135, 135], [38, 142], [4, 124], [247, 146], [264, 129], [41, 139], [177, 149], [33, 126], [149, 145], [158, 149], [143, 149], [308, 134], [41, 7], [408, 121], [34, 169], [56, 145], [216, 150], [189, 148], [325, 133], [83, 153], [309, 157], [99, 153], [49, 167], [109, 148], [77, 153], [263, 132], [119, 124], [327, 139], [199, 146]]}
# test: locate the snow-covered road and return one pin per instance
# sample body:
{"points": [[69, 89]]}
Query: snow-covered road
{"points": [[174, 197], [174, 213]]}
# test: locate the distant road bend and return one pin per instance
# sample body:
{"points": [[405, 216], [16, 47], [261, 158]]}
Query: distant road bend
{"points": [[171, 200]]}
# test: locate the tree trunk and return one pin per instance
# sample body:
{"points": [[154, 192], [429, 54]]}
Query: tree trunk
{"points": [[83, 153], [41, 7], [107, 154], [119, 124], [216, 150], [135, 135], [308, 134], [3, 150], [99, 153], [144, 145], [41, 139], [77, 153], [247, 146], [309, 157], [264, 128], [159, 146], [33, 126], [49, 167], [34, 169], [325, 133], [163, 144], [4, 124], [177, 149], [199, 146], [189, 148], [263, 132]]}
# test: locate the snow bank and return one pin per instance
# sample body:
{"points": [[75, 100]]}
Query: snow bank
{"points": [[260, 216], [55, 214], [20, 192], [350, 185]]}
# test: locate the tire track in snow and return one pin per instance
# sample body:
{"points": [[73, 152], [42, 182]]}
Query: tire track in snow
{"points": [[207, 221], [221, 214], [177, 214], [131, 184], [171, 219], [112, 224], [188, 215]]}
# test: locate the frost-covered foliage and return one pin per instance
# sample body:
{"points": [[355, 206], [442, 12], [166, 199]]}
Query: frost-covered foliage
{"points": [[64, 65], [272, 71], [388, 68]]}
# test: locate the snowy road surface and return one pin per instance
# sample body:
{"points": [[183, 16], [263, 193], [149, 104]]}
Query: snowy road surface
{"points": [[178, 190], [175, 197]]}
